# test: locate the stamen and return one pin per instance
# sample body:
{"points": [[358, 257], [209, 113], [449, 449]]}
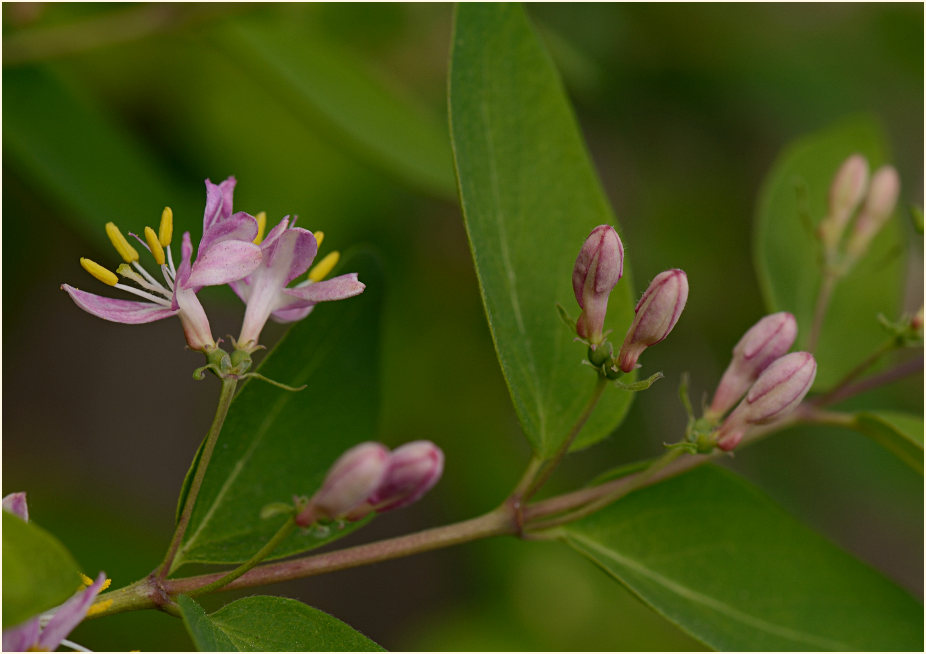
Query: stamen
{"points": [[166, 230], [155, 283], [319, 237], [140, 293], [170, 263], [106, 584], [104, 275], [99, 607], [128, 273], [74, 646], [323, 267], [261, 226], [126, 251], [166, 272], [87, 581], [156, 249]]}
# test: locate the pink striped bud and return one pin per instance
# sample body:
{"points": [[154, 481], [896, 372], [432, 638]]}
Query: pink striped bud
{"points": [[879, 205], [598, 268], [765, 341], [350, 481], [656, 314], [413, 470], [777, 391], [846, 191]]}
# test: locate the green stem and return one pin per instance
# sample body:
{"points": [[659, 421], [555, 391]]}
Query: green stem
{"points": [[225, 400], [261, 554], [823, 300], [857, 371], [544, 475]]}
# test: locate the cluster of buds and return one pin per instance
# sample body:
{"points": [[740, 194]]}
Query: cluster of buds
{"points": [[369, 478], [597, 270], [773, 382], [872, 204]]}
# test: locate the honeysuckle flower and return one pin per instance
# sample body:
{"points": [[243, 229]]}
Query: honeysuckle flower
{"points": [[846, 192], [777, 391], [597, 270], [47, 632], [413, 470], [762, 344], [351, 480], [655, 315], [226, 253], [878, 207], [287, 253]]}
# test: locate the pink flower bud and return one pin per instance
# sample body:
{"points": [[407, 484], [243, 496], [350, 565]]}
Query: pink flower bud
{"points": [[777, 391], [656, 314], [765, 341], [598, 268], [350, 481], [413, 470], [846, 191], [879, 205], [15, 503]]}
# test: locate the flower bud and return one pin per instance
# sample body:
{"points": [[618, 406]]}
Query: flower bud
{"points": [[846, 191], [777, 391], [879, 205], [656, 314], [598, 268], [765, 341], [350, 481], [413, 470], [15, 503]]}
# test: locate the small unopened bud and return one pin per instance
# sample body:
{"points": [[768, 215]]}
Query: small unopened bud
{"points": [[777, 391], [350, 481], [413, 470], [598, 268], [15, 503], [846, 191], [916, 322], [765, 342], [879, 205], [656, 314]]}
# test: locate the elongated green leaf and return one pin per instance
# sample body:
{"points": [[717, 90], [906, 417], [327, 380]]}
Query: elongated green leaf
{"points": [[276, 443], [270, 624], [38, 572], [329, 87], [901, 433], [530, 198], [787, 255], [715, 555]]}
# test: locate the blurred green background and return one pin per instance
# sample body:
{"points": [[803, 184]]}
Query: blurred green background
{"points": [[337, 113]]}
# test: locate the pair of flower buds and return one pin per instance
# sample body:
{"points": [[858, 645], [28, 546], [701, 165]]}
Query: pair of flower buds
{"points": [[773, 382], [598, 268], [368, 477]]}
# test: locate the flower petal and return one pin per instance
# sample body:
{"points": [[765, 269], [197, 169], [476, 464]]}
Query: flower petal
{"points": [[22, 637], [336, 288], [291, 254], [125, 311], [15, 503], [224, 262], [240, 226], [218, 202], [69, 616], [186, 262], [291, 314]]}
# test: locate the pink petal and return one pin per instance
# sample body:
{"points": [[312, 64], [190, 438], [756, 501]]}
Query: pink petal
{"points": [[291, 314], [69, 616], [186, 259], [237, 227], [291, 254], [21, 638], [125, 311], [15, 503], [218, 202], [224, 262]]}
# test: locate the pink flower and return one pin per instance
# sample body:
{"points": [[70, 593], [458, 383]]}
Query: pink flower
{"points": [[351, 480], [655, 315], [597, 270]]}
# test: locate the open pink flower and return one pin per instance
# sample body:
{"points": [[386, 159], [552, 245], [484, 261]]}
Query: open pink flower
{"points": [[287, 253], [226, 253]]}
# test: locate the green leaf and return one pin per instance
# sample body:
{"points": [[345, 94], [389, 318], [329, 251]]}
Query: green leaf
{"points": [[275, 443], [901, 433], [530, 197], [38, 571], [334, 91], [787, 254], [713, 554], [270, 624]]}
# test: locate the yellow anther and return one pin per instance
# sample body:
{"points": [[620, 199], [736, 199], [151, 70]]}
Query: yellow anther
{"points": [[261, 226], [106, 584], [155, 246], [99, 607], [323, 267], [126, 251], [166, 230], [319, 237], [101, 273], [87, 581]]}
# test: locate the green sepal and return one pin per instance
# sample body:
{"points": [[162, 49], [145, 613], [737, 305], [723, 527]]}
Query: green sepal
{"points": [[641, 385]]}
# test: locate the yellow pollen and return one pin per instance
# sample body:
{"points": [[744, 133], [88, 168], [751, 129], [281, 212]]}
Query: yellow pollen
{"points": [[166, 230], [126, 251], [106, 584], [87, 581], [101, 273], [261, 226], [155, 246], [323, 267], [319, 237], [99, 607]]}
